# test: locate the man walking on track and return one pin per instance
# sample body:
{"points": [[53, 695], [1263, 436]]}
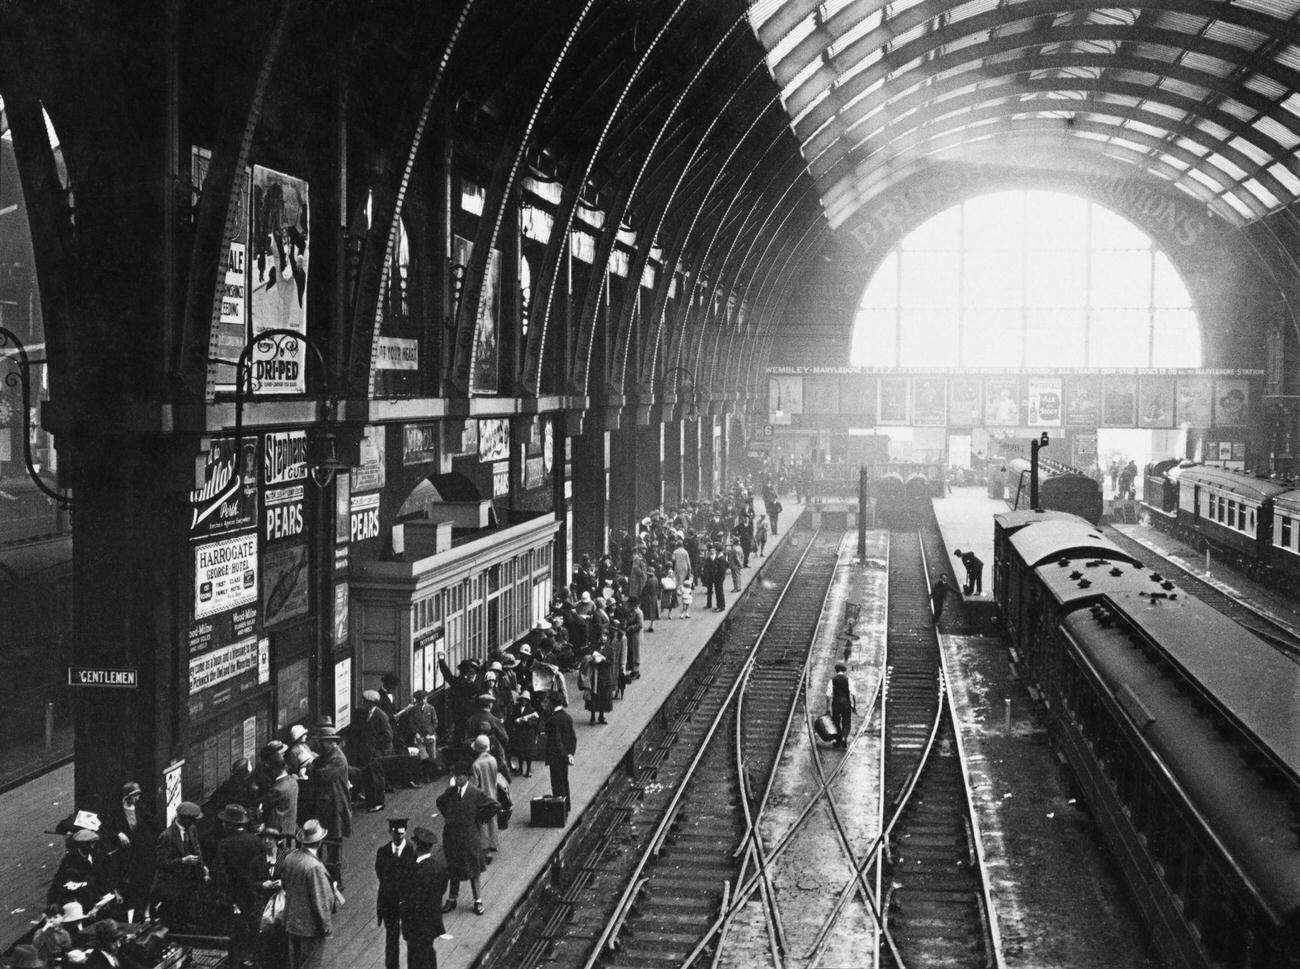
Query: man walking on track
{"points": [[843, 700], [974, 572]]}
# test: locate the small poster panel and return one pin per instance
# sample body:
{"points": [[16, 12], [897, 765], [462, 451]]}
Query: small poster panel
{"points": [[1002, 401], [226, 500], [369, 475], [419, 443], [394, 353], [1044, 401], [964, 401], [893, 400], [417, 669], [1192, 402], [548, 445], [1231, 401], [534, 472], [284, 457], [493, 439], [340, 613], [929, 404], [364, 518], [249, 747], [785, 394], [858, 398], [1119, 401], [343, 693], [282, 513], [1225, 450], [500, 479], [1082, 401], [1083, 449], [209, 669], [342, 507], [1156, 401], [279, 265], [821, 394], [172, 788], [263, 660], [483, 371], [225, 575], [284, 583]]}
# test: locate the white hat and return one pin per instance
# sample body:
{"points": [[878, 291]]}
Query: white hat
{"points": [[297, 732], [542, 624], [525, 650], [494, 667], [586, 596], [370, 695]]}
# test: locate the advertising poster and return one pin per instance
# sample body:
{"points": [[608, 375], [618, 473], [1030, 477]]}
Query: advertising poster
{"points": [[1192, 402], [209, 669], [1083, 449], [395, 353], [278, 264], [1082, 401], [1231, 401], [534, 473], [369, 475], [858, 398], [1002, 401], [929, 401], [893, 400], [226, 500], [785, 394], [342, 507], [291, 693], [343, 693], [964, 401], [172, 788], [225, 575], [282, 513], [340, 613], [284, 583], [364, 524], [548, 445], [500, 479], [1044, 401], [483, 370], [419, 443], [1156, 401], [1119, 401], [232, 323], [493, 439], [821, 394]]}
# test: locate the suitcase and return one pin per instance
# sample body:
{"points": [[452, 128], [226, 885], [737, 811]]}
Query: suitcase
{"points": [[548, 812], [824, 727]]}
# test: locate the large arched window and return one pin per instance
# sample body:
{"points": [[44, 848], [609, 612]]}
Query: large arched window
{"points": [[1026, 279]]}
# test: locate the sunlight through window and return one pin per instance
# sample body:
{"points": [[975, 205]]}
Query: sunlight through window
{"points": [[1026, 279]]}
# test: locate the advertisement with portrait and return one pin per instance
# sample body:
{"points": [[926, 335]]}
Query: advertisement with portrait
{"points": [[278, 265], [964, 401], [369, 475], [1231, 401], [1082, 401], [483, 375], [1193, 402], [1156, 401], [1119, 401], [1002, 401], [893, 400], [929, 403], [785, 394], [1044, 401], [493, 439], [225, 500]]}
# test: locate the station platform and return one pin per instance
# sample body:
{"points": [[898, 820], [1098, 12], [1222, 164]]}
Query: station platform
{"points": [[30, 811], [965, 519]]}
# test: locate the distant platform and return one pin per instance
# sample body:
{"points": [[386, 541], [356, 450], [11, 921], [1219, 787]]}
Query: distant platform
{"points": [[966, 522]]}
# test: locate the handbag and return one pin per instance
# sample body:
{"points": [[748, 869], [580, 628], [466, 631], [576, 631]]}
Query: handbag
{"points": [[273, 912], [668, 583]]}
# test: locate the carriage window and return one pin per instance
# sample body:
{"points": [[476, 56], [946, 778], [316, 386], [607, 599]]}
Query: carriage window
{"points": [[1286, 532]]}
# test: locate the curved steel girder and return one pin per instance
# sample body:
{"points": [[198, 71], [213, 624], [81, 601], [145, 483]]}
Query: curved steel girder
{"points": [[1000, 17], [832, 143], [844, 191], [586, 328], [622, 321], [367, 317], [1010, 140], [921, 110], [219, 214], [460, 359], [774, 202]]}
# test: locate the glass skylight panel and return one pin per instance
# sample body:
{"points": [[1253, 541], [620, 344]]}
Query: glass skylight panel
{"points": [[1271, 128], [1214, 130], [1238, 205], [761, 11], [799, 79], [1286, 177], [790, 41], [1251, 151], [1292, 104], [911, 34], [1235, 34], [1288, 55], [1238, 110], [832, 7], [1260, 192], [1283, 9], [855, 33], [1205, 179], [1235, 172]]}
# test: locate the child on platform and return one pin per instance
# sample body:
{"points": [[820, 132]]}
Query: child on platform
{"points": [[684, 595]]}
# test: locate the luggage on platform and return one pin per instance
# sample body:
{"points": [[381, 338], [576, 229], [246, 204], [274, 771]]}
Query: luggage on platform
{"points": [[824, 727], [548, 812]]}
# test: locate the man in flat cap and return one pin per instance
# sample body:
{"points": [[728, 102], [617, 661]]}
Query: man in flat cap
{"points": [[179, 868], [83, 876], [374, 736], [843, 702], [394, 865], [233, 874], [422, 902], [330, 787], [309, 898]]}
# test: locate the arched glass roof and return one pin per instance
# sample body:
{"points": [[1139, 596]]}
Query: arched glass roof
{"points": [[1202, 94]]}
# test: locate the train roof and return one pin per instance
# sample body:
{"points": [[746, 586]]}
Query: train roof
{"points": [[1077, 580], [1072, 538], [1234, 482], [1290, 501], [1013, 521]]}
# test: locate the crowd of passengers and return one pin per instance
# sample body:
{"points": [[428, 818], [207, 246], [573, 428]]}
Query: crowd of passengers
{"points": [[220, 868]]}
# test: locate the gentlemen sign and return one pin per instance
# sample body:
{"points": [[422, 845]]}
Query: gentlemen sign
{"points": [[122, 677]]}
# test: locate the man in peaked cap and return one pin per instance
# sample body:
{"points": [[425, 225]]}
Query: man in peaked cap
{"points": [[422, 902], [394, 866]]}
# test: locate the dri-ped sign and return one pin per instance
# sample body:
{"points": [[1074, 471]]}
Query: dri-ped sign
{"points": [[119, 677]]}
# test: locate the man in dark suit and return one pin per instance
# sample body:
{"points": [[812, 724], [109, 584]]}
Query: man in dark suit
{"points": [[422, 903], [394, 865], [234, 872], [561, 745], [179, 868], [374, 736]]}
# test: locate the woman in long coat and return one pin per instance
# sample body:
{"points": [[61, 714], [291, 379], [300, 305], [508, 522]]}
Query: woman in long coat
{"points": [[597, 677], [462, 807], [485, 779], [650, 601]]}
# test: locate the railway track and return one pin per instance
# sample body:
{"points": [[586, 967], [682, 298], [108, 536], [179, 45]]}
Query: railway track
{"points": [[658, 855], [938, 912], [1271, 630]]}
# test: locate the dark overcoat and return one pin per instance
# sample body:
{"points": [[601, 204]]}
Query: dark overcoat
{"points": [[461, 843]]}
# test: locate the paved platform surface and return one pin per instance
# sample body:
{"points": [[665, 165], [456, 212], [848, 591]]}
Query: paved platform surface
{"points": [[31, 857], [966, 522]]}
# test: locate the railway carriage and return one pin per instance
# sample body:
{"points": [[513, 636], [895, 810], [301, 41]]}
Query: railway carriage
{"points": [[1229, 511], [1007, 524], [1160, 486], [1060, 488], [891, 499], [1285, 549], [917, 488]]}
